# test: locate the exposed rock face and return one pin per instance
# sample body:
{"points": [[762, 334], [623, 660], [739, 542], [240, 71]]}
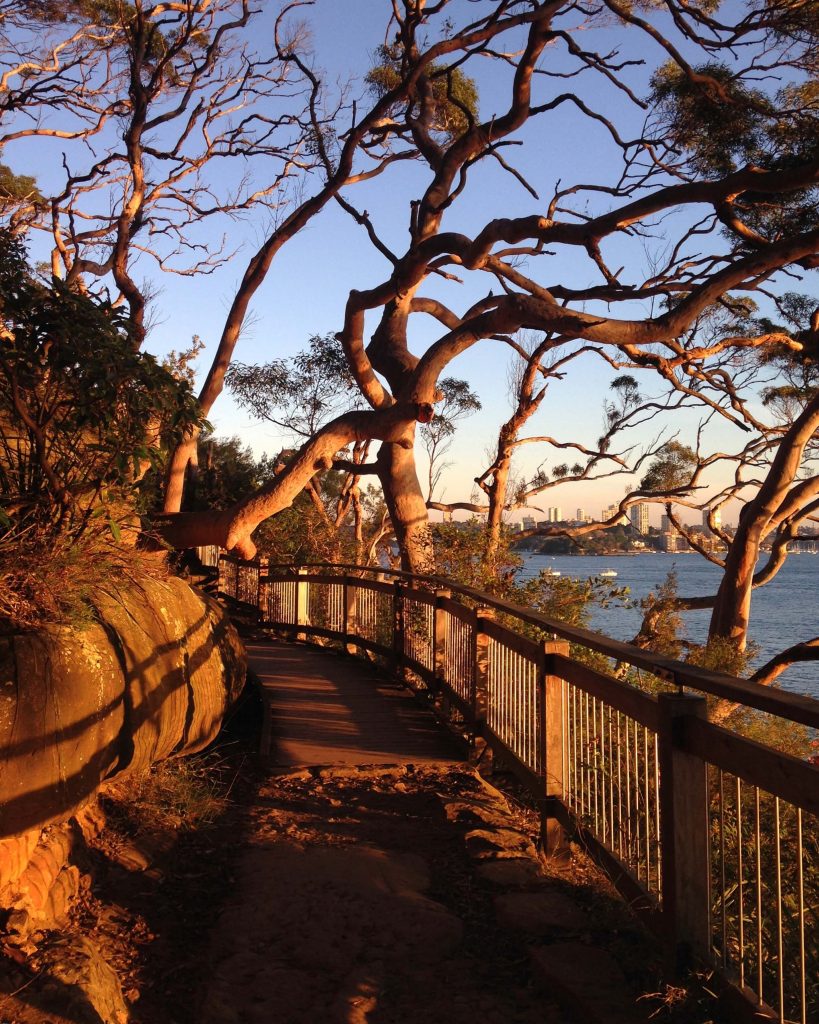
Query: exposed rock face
{"points": [[152, 679], [78, 706], [90, 989]]}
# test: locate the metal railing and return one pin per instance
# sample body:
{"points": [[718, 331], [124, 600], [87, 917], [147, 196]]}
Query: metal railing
{"points": [[713, 837]]}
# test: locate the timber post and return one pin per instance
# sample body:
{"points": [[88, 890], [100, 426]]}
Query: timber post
{"points": [[439, 648], [349, 613], [302, 602], [684, 835], [397, 629], [553, 839], [480, 675], [262, 577]]}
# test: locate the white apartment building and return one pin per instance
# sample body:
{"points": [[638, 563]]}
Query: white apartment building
{"points": [[639, 517]]}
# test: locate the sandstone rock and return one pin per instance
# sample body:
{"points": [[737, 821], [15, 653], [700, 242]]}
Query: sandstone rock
{"points": [[61, 714], [90, 989], [131, 857], [286, 775], [473, 812], [79, 705], [516, 871], [540, 912], [90, 820], [499, 844], [586, 980], [15, 854], [495, 795], [46, 912]]}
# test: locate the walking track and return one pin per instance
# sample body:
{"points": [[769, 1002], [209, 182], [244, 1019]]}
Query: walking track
{"points": [[383, 880], [326, 709]]}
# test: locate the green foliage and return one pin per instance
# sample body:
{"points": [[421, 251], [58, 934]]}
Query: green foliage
{"points": [[720, 654], [715, 118], [457, 400], [799, 370], [175, 795], [459, 553], [227, 472], [459, 550], [451, 104], [82, 415], [17, 188], [299, 394], [662, 623], [144, 35], [720, 124], [663, 631], [671, 470]]}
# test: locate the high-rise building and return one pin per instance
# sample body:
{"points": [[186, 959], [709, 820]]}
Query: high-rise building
{"points": [[555, 514], [639, 517], [612, 510], [580, 516], [716, 516], [528, 523], [666, 526]]}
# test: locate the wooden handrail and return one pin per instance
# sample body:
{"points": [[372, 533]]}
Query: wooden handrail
{"points": [[644, 782], [794, 706]]}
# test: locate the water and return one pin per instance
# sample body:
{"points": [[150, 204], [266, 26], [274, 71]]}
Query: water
{"points": [[784, 612]]}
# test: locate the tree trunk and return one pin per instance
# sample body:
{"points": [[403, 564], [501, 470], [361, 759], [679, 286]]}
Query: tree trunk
{"points": [[732, 608], [408, 509], [769, 508], [496, 493], [182, 456]]}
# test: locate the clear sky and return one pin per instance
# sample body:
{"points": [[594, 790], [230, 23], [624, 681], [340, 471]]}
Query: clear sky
{"points": [[307, 288]]}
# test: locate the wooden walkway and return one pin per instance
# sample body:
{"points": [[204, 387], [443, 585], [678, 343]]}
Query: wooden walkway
{"points": [[324, 709]]}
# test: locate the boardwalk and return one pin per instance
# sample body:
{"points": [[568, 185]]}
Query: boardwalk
{"points": [[322, 709]]}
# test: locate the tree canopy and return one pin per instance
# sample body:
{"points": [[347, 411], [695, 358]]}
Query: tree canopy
{"points": [[672, 259]]}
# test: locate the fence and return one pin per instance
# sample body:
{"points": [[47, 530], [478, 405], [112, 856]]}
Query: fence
{"points": [[713, 837]]}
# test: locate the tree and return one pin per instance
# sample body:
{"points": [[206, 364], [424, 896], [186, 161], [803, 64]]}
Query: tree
{"points": [[661, 341], [739, 217], [300, 394], [456, 401], [83, 416]]}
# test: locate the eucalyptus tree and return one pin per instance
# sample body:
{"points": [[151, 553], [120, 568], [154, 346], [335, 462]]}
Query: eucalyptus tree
{"points": [[733, 227], [702, 117]]}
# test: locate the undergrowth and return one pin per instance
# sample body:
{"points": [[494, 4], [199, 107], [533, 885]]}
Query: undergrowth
{"points": [[180, 794]]}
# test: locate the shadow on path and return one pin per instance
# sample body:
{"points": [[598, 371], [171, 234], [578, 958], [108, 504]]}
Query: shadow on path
{"points": [[327, 709]]}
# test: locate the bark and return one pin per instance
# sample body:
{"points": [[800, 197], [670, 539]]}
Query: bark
{"points": [[232, 529], [407, 507], [771, 670], [497, 493], [733, 603]]}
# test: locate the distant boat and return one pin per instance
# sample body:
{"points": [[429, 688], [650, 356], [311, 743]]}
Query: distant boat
{"points": [[551, 571], [607, 574]]}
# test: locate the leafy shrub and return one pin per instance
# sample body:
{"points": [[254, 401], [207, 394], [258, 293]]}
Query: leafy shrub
{"points": [[83, 415]]}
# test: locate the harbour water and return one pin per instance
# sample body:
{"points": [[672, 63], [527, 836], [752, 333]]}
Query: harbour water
{"points": [[784, 612]]}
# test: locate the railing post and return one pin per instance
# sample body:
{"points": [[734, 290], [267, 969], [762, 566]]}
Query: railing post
{"points": [[350, 598], [302, 602], [263, 588], [480, 676], [397, 628], [553, 839], [683, 834], [220, 575], [260, 565], [439, 651]]}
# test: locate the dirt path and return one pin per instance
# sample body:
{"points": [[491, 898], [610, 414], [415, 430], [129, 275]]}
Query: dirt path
{"points": [[344, 896], [377, 895]]}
